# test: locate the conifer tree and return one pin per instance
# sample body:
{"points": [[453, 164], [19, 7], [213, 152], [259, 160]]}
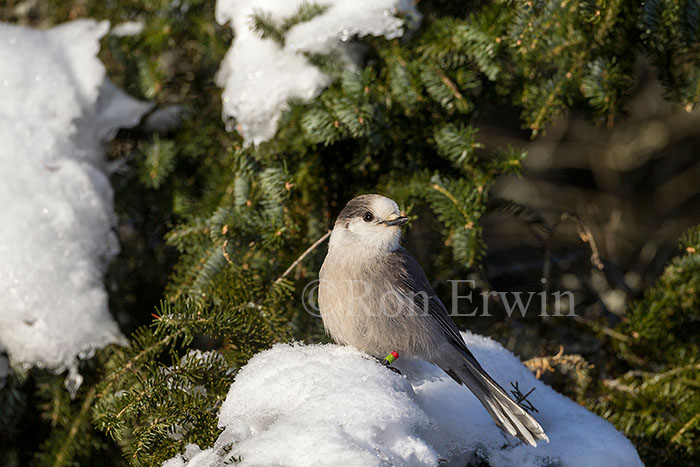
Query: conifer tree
{"points": [[656, 401]]}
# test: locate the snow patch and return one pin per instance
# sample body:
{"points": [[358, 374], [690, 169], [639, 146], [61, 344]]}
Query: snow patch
{"points": [[127, 28], [56, 110], [260, 75], [329, 405]]}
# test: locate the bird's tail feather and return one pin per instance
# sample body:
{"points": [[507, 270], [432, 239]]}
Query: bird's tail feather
{"points": [[507, 414]]}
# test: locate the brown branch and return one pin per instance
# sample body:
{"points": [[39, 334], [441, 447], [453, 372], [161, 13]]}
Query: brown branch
{"points": [[448, 82], [584, 232], [685, 427], [604, 329], [302, 256]]}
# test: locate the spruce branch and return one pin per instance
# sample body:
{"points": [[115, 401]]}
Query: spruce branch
{"points": [[457, 205], [693, 420], [268, 28], [450, 85], [546, 112], [64, 454], [599, 327]]}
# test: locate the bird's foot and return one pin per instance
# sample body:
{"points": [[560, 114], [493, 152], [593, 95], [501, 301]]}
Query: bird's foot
{"points": [[389, 359]]}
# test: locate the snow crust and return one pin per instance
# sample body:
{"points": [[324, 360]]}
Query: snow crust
{"points": [[259, 75], [302, 405], [56, 110]]}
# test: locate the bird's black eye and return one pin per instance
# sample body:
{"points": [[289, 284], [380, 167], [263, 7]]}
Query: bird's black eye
{"points": [[368, 217]]}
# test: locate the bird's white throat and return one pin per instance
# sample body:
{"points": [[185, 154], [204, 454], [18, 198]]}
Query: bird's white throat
{"points": [[361, 238]]}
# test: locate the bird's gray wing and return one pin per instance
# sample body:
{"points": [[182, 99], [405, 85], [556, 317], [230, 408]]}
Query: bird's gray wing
{"points": [[413, 280], [466, 370]]}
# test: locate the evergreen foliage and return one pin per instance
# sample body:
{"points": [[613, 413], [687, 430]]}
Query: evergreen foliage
{"points": [[265, 26], [210, 227], [656, 402]]}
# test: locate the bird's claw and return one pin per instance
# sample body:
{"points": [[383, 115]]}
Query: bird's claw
{"points": [[389, 359]]}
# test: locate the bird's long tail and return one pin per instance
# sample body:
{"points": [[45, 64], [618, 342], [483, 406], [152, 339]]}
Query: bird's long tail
{"points": [[508, 415]]}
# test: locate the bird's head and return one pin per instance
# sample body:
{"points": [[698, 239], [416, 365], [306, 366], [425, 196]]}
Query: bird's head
{"points": [[370, 222]]}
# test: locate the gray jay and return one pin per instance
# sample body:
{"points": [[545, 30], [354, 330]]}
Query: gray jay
{"points": [[373, 295]]}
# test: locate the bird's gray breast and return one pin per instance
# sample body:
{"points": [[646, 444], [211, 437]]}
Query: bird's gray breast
{"points": [[363, 304]]}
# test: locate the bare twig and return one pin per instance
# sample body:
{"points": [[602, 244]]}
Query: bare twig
{"points": [[302, 256], [223, 247], [521, 399], [584, 232]]}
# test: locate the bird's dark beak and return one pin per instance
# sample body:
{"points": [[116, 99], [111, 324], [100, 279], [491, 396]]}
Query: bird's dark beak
{"points": [[401, 220]]}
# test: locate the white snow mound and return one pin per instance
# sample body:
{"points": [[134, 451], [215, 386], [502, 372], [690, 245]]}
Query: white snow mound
{"points": [[299, 405], [259, 75], [56, 110]]}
